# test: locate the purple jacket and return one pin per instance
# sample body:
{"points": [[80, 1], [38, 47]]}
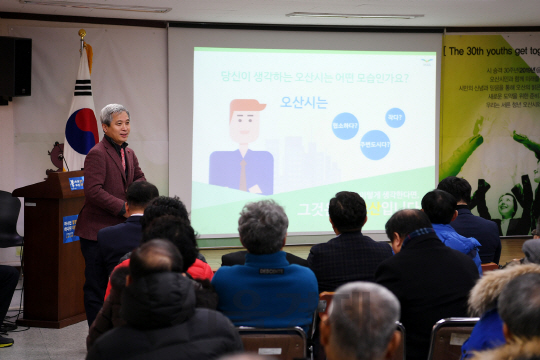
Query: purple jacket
{"points": [[105, 186]]}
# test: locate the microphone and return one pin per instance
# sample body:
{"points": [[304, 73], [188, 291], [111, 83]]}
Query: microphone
{"points": [[61, 155]]}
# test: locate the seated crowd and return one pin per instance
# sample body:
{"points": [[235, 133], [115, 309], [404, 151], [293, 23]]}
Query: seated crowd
{"points": [[162, 300]]}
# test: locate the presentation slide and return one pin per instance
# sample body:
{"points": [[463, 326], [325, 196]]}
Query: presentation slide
{"points": [[297, 126]]}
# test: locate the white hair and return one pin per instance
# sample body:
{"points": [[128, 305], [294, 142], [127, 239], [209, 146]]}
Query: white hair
{"points": [[108, 111]]}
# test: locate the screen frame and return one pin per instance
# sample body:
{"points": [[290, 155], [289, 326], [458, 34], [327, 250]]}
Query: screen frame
{"points": [[181, 44]]}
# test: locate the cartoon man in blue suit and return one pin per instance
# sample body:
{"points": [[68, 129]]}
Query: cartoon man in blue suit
{"points": [[244, 169]]}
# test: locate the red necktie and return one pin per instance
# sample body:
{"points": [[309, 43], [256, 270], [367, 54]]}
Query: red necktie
{"points": [[123, 158]]}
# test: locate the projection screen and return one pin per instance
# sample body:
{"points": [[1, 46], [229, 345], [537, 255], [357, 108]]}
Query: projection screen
{"points": [[297, 116]]}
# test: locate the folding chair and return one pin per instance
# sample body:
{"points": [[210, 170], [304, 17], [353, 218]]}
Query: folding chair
{"points": [[325, 299], [489, 267], [282, 343], [10, 208], [447, 337]]}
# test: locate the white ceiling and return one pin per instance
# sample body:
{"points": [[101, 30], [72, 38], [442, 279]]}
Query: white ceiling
{"points": [[437, 13]]}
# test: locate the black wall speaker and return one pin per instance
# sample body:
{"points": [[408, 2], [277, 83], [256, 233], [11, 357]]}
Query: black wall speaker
{"points": [[15, 66]]}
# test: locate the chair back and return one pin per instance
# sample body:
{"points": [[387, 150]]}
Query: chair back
{"points": [[325, 299], [447, 337], [489, 267], [283, 343], [9, 214]]}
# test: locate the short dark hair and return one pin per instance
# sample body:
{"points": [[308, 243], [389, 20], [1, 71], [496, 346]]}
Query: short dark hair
{"points": [[406, 221], [347, 211], [140, 193], [163, 205], [118, 278], [155, 256], [440, 206], [178, 231], [519, 305], [458, 187]]}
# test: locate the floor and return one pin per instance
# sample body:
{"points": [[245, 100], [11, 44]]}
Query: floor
{"points": [[44, 344], [70, 342]]}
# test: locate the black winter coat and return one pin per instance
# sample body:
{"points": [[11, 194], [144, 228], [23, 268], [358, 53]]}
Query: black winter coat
{"points": [[163, 323], [431, 282]]}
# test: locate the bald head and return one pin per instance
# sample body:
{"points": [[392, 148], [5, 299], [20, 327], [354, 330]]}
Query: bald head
{"points": [[155, 256]]}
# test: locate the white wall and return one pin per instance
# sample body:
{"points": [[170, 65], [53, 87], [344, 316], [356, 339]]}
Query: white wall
{"points": [[129, 67]]}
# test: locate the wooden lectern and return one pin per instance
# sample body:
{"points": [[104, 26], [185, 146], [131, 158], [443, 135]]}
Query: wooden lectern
{"points": [[53, 268]]}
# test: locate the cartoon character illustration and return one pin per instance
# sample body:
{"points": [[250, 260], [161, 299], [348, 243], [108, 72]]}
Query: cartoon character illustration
{"points": [[243, 169]]}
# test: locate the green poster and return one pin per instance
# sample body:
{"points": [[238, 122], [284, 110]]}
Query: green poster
{"points": [[490, 117]]}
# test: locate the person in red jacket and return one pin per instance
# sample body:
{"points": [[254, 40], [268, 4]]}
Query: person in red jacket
{"points": [[179, 231]]}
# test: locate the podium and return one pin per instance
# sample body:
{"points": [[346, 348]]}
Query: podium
{"points": [[53, 266]]}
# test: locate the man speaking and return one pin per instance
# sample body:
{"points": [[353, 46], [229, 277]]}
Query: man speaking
{"points": [[110, 167]]}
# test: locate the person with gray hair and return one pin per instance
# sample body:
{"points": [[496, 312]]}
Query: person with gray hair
{"points": [[531, 248], [361, 323], [109, 169], [519, 308], [108, 111], [263, 227], [267, 291]]}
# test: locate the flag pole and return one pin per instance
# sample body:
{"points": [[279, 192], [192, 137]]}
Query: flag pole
{"points": [[82, 34]]}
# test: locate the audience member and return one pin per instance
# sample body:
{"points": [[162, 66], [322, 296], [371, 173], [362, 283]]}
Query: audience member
{"points": [[536, 232], [440, 207], [159, 207], [361, 323], [179, 231], [162, 320], [181, 234], [519, 307], [531, 248], [9, 277], [488, 332], [108, 316], [115, 241], [350, 256], [163, 205], [469, 225], [267, 291], [431, 280]]}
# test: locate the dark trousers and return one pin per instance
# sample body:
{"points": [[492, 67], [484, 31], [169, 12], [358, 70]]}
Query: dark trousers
{"points": [[94, 289], [9, 277]]}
